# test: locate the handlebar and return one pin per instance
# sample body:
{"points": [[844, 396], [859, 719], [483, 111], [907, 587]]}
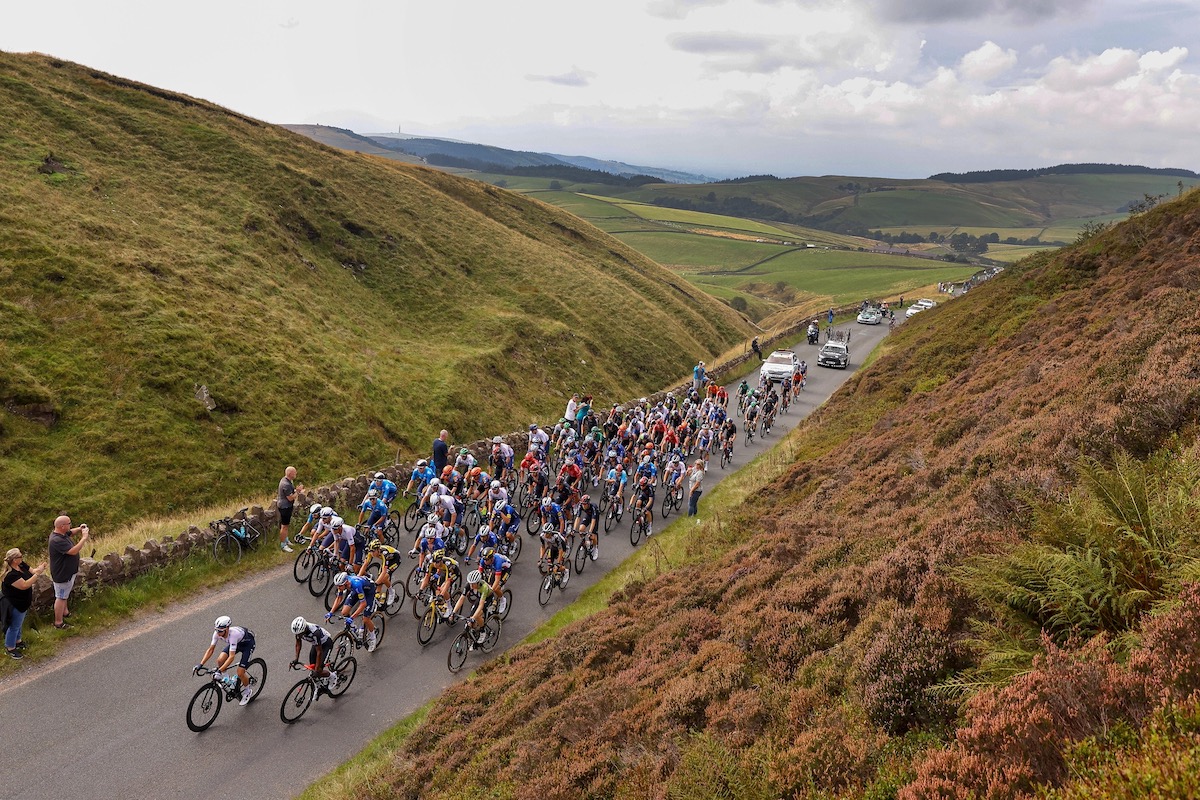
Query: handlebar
{"points": [[298, 665]]}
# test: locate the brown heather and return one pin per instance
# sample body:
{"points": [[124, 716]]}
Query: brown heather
{"points": [[798, 663]]}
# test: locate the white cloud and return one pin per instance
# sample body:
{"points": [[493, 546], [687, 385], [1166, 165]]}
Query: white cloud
{"points": [[1066, 74], [986, 62], [576, 77]]}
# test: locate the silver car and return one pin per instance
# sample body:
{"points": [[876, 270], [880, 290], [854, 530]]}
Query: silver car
{"points": [[779, 366]]}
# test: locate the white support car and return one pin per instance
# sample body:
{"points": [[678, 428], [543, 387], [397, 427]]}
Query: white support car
{"points": [[780, 365]]}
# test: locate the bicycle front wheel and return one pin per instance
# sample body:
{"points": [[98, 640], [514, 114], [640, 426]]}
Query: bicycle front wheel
{"points": [[305, 561], [427, 626], [581, 556], [635, 532], [668, 504], [411, 515], [514, 548], [504, 604], [227, 549], [319, 578], [380, 623], [546, 590], [297, 700], [205, 705], [256, 673], [491, 634]]}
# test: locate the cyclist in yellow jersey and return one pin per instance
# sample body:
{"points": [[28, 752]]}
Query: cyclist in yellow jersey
{"points": [[389, 559]]}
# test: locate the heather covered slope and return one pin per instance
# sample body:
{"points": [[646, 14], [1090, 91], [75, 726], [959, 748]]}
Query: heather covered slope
{"points": [[797, 660], [337, 307]]}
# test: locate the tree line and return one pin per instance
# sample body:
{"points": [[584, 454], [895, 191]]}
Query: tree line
{"points": [[995, 175]]}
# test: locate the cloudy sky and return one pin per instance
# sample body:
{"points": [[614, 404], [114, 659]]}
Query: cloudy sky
{"points": [[899, 88]]}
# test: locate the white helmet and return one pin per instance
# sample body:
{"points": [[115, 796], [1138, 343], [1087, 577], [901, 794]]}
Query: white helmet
{"points": [[497, 440], [222, 622], [379, 476], [298, 625], [434, 482], [433, 518], [548, 528], [422, 464], [495, 484], [341, 579], [372, 493], [546, 501], [474, 576], [646, 459], [314, 508], [337, 522], [326, 512], [429, 532]]}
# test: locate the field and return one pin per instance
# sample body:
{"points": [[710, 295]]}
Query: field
{"points": [[194, 299]]}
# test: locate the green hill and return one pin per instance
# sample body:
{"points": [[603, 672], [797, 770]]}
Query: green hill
{"points": [[336, 307], [971, 574]]}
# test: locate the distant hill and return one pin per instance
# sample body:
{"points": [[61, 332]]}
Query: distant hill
{"points": [[500, 156], [994, 175], [194, 299], [344, 139]]}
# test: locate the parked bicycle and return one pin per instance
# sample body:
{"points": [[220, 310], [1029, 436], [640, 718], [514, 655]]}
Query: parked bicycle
{"points": [[206, 702], [310, 688], [234, 535]]}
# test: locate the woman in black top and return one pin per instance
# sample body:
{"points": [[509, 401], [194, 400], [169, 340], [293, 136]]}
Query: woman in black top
{"points": [[17, 586]]}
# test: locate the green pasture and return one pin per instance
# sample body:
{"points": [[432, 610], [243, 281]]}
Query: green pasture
{"points": [[1009, 253], [702, 219], [844, 277], [691, 250]]}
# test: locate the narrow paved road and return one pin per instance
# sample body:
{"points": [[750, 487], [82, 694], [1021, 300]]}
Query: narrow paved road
{"points": [[106, 719]]}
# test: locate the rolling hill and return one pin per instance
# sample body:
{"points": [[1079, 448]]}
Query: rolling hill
{"points": [[194, 299], [966, 576]]}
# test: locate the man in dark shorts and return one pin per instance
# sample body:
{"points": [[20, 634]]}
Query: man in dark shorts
{"points": [[288, 491]]}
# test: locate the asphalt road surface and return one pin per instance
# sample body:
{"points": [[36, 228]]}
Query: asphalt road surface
{"points": [[106, 718]]}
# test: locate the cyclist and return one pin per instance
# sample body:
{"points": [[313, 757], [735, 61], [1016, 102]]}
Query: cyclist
{"points": [[751, 418], [387, 490], [432, 530], [497, 496], [452, 480], [349, 541], [704, 443], [673, 474], [355, 598], [615, 481], [743, 390], [323, 530], [498, 566], [373, 509], [236, 643], [510, 520], [321, 645], [728, 434], [552, 520], [448, 508], [314, 516], [646, 469], [422, 474], [643, 500], [501, 460], [538, 439], [465, 461], [528, 463], [389, 560], [488, 536], [554, 543], [446, 571], [480, 594], [586, 520]]}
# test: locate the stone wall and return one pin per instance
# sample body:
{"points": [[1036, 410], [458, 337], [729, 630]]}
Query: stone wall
{"points": [[344, 494]]}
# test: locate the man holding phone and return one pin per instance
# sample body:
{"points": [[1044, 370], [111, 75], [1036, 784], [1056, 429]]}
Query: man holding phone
{"points": [[64, 564]]}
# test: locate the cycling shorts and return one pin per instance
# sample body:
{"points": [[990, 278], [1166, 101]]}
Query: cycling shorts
{"points": [[244, 649]]}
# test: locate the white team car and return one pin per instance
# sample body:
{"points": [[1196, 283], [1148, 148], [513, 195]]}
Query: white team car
{"points": [[871, 316], [779, 366]]}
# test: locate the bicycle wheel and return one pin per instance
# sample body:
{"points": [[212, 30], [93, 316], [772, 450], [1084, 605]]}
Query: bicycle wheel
{"points": [[297, 700], [256, 672], [205, 705], [514, 548], [581, 556], [564, 577], [411, 515], [460, 540], [393, 605], [531, 523], [413, 582], [668, 504], [519, 495], [227, 549], [305, 561], [390, 534], [491, 634], [610, 518], [504, 604], [422, 601], [546, 590], [427, 626], [319, 578], [458, 652], [395, 523], [635, 532], [346, 669]]}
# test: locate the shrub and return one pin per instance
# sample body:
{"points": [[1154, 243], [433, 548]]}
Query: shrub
{"points": [[897, 672]]}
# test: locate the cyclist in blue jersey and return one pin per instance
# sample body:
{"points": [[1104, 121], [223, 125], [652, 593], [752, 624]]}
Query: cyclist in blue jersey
{"points": [[646, 469], [320, 646], [429, 538], [614, 480], [552, 520], [498, 567], [387, 489], [373, 509], [422, 474], [510, 520], [355, 598], [314, 516], [487, 536]]}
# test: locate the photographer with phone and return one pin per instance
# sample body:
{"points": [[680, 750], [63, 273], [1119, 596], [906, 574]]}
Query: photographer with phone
{"points": [[64, 565]]}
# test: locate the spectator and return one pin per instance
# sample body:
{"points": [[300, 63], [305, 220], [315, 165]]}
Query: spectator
{"points": [[441, 452], [287, 498], [757, 350], [64, 565], [17, 587], [581, 413], [698, 377], [831, 315], [695, 486], [572, 406]]}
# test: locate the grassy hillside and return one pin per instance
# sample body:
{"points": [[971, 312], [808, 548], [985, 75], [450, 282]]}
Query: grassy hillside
{"points": [[337, 307], [1007, 490]]}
